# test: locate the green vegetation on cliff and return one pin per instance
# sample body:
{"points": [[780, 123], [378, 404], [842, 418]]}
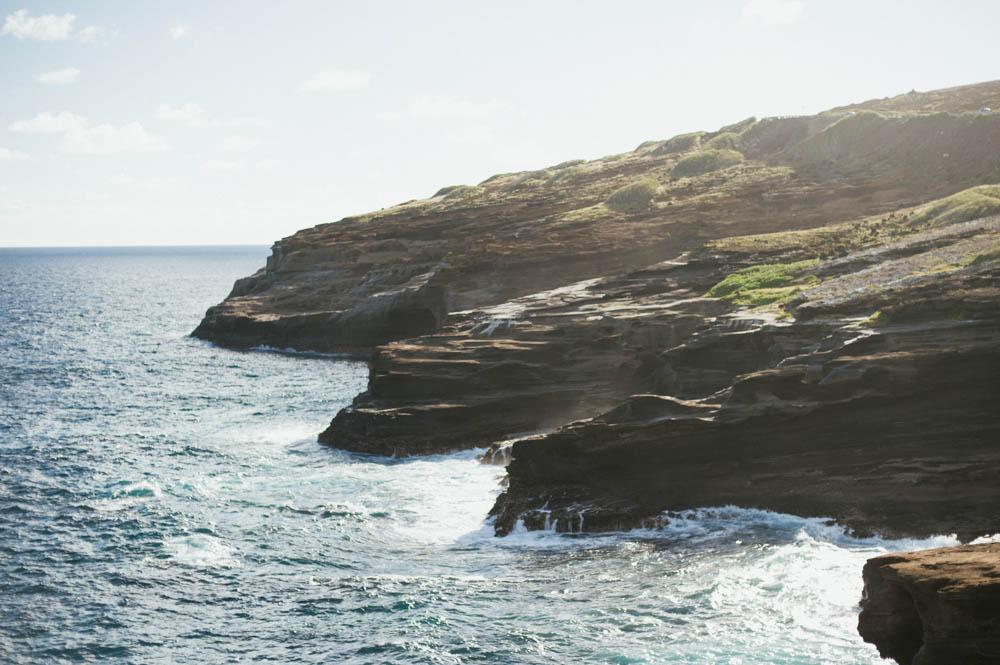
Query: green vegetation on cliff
{"points": [[679, 143], [705, 161], [724, 141], [531, 231], [458, 191], [632, 198], [973, 203], [766, 284], [839, 239]]}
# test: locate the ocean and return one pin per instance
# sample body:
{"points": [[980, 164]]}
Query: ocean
{"points": [[163, 500]]}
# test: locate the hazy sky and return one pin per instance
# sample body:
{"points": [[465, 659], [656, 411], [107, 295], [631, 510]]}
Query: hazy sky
{"points": [[240, 122]]}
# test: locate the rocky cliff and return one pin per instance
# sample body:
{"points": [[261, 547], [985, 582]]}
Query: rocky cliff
{"points": [[860, 386], [797, 314], [356, 284], [935, 607]]}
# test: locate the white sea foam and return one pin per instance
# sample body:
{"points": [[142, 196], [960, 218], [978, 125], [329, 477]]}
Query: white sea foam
{"points": [[726, 522], [128, 494], [463, 492], [994, 538], [142, 488], [202, 551], [264, 348]]}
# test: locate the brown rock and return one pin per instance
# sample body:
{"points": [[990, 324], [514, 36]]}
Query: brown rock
{"points": [[394, 274], [934, 607]]}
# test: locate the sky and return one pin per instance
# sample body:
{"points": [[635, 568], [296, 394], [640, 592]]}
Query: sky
{"points": [[193, 123]]}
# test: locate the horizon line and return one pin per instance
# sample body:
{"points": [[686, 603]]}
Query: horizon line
{"points": [[164, 246]]}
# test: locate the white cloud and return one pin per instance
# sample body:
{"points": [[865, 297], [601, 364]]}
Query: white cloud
{"points": [[59, 76], [49, 123], [108, 138], [179, 31], [239, 143], [80, 137], [449, 107], [93, 34], [8, 155], [249, 121], [50, 28], [191, 114], [773, 12], [223, 166], [336, 80], [194, 115], [47, 27], [121, 179]]}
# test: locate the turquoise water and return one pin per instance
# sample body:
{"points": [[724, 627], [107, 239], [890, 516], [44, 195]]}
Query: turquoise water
{"points": [[164, 501]]}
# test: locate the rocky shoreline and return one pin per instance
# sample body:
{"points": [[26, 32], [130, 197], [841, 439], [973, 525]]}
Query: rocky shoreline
{"points": [[793, 314], [883, 421], [934, 607]]}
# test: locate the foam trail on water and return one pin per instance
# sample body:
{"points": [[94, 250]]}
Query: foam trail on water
{"points": [[201, 551]]}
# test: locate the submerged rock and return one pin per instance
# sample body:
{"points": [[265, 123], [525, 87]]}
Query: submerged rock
{"points": [[934, 607]]}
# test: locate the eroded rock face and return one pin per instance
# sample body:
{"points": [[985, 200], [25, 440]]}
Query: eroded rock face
{"points": [[525, 316], [529, 365], [394, 274], [386, 310], [885, 425], [934, 607]]}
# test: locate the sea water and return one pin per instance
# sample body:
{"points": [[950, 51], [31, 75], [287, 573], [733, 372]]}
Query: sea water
{"points": [[163, 500]]}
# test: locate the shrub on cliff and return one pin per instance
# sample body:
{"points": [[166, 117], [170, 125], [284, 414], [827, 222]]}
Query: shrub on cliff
{"points": [[704, 162], [458, 191], [851, 136], [679, 143], [968, 204], [566, 175], [632, 198], [724, 141]]}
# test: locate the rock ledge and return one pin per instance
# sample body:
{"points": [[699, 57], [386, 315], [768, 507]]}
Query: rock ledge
{"points": [[934, 607]]}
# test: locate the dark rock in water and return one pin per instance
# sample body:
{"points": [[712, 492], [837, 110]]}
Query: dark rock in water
{"points": [[934, 607]]}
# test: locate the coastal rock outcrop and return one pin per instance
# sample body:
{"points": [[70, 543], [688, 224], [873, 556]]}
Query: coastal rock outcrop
{"points": [[393, 274], [529, 365], [866, 396], [823, 340], [934, 607], [859, 386]]}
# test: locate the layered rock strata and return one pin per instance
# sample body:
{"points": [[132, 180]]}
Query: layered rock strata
{"points": [[934, 607], [397, 273], [868, 397], [530, 365], [845, 370]]}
